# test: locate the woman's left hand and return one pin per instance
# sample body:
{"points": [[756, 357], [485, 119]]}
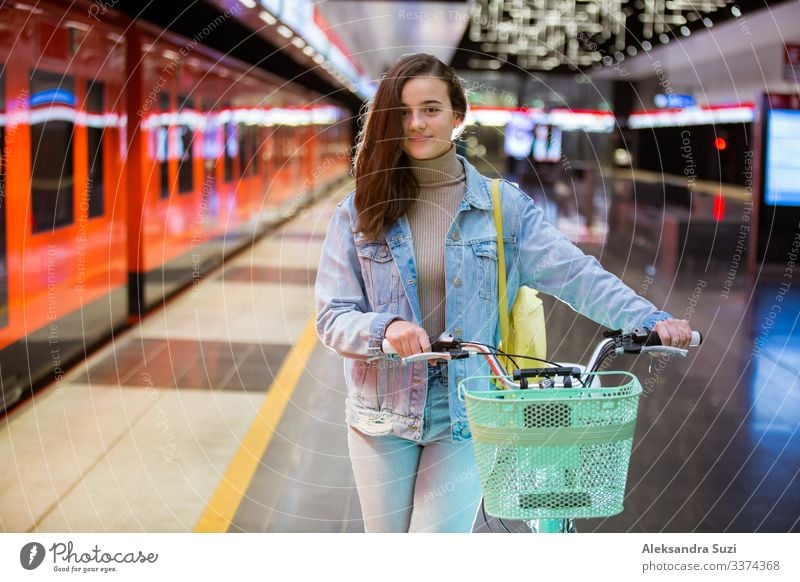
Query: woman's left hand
{"points": [[676, 333]]}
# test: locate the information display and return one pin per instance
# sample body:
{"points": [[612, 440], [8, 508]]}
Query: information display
{"points": [[547, 144], [782, 164]]}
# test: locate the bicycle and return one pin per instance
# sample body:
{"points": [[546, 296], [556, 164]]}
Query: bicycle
{"points": [[552, 443]]}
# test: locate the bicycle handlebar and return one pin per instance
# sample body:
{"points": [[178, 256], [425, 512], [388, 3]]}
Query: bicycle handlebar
{"points": [[447, 348]]}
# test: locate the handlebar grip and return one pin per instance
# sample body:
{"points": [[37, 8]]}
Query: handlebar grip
{"points": [[444, 343], [654, 340], [387, 348]]}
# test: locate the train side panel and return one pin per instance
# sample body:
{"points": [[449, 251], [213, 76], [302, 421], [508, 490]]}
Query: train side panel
{"points": [[65, 235]]}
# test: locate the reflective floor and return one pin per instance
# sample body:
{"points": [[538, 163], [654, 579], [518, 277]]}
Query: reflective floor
{"points": [[717, 444]]}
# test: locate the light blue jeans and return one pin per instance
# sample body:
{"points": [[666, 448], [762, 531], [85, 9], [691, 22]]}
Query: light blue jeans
{"points": [[405, 486]]}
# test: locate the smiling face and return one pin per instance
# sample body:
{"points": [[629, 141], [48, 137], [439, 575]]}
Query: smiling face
{"points": [[428, 118]]}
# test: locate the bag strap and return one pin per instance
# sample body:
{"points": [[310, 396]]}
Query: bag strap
{"points": [[502, 293]]}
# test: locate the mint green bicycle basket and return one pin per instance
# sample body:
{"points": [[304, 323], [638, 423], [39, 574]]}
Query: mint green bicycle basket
{"points": [[553, 453]]}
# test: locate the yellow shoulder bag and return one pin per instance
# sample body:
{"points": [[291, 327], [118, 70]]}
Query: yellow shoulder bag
{"points": [[523, 332]]}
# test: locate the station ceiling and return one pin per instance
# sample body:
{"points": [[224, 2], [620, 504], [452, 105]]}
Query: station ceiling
{"points": [[472, 35], [527, 35]]}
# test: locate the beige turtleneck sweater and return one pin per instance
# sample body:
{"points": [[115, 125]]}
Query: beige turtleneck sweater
{"points": [[442, 185]]}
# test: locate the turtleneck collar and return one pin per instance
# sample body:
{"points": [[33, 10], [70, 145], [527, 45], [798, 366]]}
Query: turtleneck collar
{"points": [[441, 171]]}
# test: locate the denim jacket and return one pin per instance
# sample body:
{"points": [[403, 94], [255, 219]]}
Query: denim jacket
{"points": [[363, 285]]}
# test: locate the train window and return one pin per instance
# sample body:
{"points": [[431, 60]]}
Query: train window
{"points": [[254, 158], [282, 140], [52, 125], [3, 259], [162, 149], [185, 154], [231, 149], [212, 138], [95, 133], [246, 161], [242, 153]]}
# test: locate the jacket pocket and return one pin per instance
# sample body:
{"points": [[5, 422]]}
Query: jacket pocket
{"points": [[380, 275], [486, 266], [373, 385], [370, 422]]}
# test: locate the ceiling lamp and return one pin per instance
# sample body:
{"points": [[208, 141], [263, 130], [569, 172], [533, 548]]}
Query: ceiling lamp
{"points": [[539, 35], [544, 34], [661, 17]]}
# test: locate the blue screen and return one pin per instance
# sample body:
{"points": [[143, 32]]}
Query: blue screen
{"points": [[782, 166]]}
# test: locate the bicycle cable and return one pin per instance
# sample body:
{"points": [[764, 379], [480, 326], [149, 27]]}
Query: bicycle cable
{"points": [[498, 352], [607, 351]]}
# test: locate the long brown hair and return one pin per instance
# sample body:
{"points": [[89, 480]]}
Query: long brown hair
{"points": [[385, 186]]}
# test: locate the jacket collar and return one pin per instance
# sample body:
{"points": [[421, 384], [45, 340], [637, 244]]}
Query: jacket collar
{"points": [[477, 194]]}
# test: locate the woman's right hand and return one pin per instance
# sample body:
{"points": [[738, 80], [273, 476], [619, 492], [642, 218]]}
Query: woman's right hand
{"points": [[407, 339]]}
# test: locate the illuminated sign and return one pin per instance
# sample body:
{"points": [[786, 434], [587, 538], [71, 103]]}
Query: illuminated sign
{"points": [[674, 101], [582, 120], [744, 113], [518, 136], [57, 96], [566, 119]]}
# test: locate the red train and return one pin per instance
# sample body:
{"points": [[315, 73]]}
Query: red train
{"points": [[132, 160]]}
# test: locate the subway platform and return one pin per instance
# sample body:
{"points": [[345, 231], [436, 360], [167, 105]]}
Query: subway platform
{"points": [[222, 412]]}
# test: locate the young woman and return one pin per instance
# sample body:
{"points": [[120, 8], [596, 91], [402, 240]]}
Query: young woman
{"points": [[412, 253]]}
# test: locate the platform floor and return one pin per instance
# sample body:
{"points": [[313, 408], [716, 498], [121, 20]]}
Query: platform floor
{"points": [[222, 412]]}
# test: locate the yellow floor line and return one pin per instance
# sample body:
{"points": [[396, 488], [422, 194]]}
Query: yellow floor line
{"points": [[225, 502]]}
